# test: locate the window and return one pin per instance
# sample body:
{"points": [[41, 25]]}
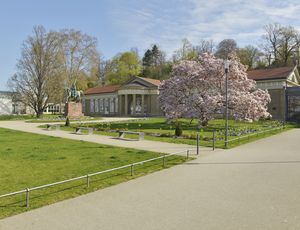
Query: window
{"points": [[101, 105], [96, 105], [116, 104], [106, 105], [112, 104], [92, 106]]}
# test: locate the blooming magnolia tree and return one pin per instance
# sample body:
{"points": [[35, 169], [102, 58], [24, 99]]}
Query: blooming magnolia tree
{"points": [[197, 90]]}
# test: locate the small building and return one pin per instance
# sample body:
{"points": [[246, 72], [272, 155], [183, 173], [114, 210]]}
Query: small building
{"points": [[279, 82], [138, 97], [8, 105]]}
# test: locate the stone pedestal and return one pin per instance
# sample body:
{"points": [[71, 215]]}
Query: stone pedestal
{"points": [[73, 109]]}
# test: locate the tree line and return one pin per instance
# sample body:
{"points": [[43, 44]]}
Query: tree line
{"points": [[52, 61]]}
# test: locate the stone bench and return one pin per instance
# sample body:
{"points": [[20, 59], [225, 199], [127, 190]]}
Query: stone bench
{"points": [[49, 126], [79, 129], [140, 134]]}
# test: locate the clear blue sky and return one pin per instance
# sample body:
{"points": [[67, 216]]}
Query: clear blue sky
{"points": [[122, 24]]}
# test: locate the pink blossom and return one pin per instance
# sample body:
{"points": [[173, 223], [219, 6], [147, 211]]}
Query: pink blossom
{"points": [[197, 90]]}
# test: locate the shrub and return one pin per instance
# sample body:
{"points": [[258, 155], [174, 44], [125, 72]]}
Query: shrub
{"points": [[67, 124], [178, 130]]}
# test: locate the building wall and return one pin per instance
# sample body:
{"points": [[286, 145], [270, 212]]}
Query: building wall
{"points": [[9, 106], [6, 106], [277, 106], [101, 105]]}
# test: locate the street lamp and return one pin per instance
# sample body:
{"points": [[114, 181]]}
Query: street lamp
{"points": [[226, 68]]}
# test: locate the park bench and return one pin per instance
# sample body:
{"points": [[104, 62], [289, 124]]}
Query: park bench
{"points": [[79, 129], [122, 134], [49, 126]]}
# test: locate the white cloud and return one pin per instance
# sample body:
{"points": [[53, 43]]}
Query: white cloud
{"points": [[167, 23]]}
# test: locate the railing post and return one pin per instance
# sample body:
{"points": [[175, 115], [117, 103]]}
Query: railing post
{"points": [[131, 170], [198, 142], [27, 197], [187, 154], [164, 161], [214, 139], [88, 180]]}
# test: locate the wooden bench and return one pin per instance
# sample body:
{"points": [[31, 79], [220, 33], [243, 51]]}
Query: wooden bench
{"points": [[141, 134], [78, 130], [49, 126]]}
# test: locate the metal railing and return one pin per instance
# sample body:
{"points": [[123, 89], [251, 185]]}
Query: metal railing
{"points": [[88, 176], [213, 140], [254, 134]]}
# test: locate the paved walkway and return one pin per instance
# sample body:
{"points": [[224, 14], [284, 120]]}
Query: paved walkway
{"points": [[254, 186], [101, 139]]}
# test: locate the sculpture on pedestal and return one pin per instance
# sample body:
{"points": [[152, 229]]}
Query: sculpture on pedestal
{"points": [[73, 106]]}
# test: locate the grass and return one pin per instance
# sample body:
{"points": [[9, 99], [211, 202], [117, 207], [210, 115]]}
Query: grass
{"points": [[29, 160], [158, 129], [15, 117]]}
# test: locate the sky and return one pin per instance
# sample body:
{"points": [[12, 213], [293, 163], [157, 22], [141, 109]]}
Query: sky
{"points": [[120, 25]]}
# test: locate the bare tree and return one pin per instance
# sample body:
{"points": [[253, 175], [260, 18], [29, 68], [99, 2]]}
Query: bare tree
{"points": [[79, 54], [205, 46], [37, 65], [280, 43], [289, 42], [225, 48], [185, 52], [249, 56]]}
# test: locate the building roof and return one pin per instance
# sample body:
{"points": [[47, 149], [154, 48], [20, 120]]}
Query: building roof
{"points": [[102, 89], [151, 80], [114, 88], [270, 74]]}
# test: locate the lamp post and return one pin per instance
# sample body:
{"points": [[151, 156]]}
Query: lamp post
{"points": [[226, 68]]}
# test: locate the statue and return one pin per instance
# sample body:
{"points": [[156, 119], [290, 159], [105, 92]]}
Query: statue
{"points": [[73, 106], [72, 94]]}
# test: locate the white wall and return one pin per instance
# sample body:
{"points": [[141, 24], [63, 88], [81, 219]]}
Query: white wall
{"points": [[6, 106]]}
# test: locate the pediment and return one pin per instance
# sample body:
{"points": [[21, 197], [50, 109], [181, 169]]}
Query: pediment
{"points": [[137, 83], [294, 77]]}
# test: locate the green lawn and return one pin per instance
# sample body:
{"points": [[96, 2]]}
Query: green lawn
{"points": [[158, 129], [29, 160], [15, 117]]}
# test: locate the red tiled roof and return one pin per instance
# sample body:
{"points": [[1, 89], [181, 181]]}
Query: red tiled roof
{"points": [[151, 80], [268, 74], [102, 89]]}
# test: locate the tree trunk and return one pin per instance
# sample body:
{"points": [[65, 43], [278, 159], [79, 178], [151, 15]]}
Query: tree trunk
{"points": [[39, 113], [204, 123]]}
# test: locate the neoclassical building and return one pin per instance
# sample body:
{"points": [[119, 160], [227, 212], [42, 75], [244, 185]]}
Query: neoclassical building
{"points": [[138, 97], [283, 85]]}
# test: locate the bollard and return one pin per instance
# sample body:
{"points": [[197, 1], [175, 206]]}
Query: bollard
{"points": [[214, 139], [187, 154], [27, 197], [198, 142], [87, 180], [131, 170]]}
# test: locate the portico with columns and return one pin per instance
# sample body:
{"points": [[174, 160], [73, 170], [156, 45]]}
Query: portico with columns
{"points": [[138, 97]]}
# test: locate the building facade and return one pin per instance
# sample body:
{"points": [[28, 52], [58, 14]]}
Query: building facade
{"points": [[278, 82], [138, 97], [8, 105]]}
